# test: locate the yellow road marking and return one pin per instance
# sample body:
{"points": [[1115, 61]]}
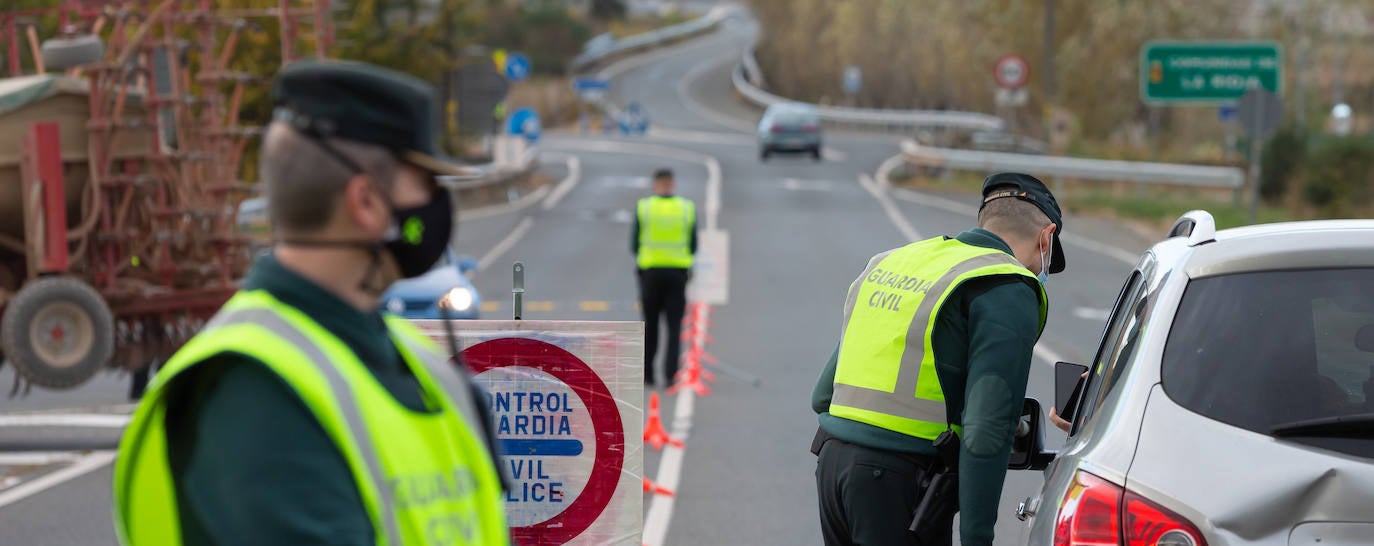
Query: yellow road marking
{"points": [[491, 306], [595, 305], [541, 306]]}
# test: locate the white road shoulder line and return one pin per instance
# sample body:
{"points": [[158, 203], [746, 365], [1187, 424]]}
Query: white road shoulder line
{"points": [[893, 213], [670, 466], [90, 420], [37, 458], [696, 107], [574, 174], [884, 177], [514, 237], [81, 467]]}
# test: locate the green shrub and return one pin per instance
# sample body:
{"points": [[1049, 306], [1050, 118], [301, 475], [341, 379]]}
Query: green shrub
{"points": [[1338, 175], [1280, 161]]}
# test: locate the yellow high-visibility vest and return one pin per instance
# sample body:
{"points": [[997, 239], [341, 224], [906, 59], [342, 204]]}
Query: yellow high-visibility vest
{"points": [[424, 478], [886, 375], [665, 232]]}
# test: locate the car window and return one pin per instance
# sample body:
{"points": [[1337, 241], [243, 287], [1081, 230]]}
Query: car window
{"points": [[1259, 350], [1123, 320]]}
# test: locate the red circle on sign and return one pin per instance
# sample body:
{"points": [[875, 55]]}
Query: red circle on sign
{"points": [[605, 477], [1010, 62]]}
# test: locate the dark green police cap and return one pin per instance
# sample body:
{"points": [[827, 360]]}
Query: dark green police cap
{"points": [[1030, 189]]}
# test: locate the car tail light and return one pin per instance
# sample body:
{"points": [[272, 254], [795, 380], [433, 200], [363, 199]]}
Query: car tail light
{"points": [[776, 129], [809, 128], [1096, 512]]}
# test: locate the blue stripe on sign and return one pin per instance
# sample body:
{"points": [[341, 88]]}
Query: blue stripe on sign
{"points": [[571, 448]]}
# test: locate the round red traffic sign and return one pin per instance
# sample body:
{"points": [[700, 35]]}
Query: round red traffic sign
{"points": [[606, 423], [1011, 72]]}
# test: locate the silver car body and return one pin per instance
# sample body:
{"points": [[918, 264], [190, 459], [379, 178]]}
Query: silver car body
{"points": [[790, 127], [1234, 485]]}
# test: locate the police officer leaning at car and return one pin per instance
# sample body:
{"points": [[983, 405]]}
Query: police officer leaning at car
{"points": [[937, 337], [301, 414]]}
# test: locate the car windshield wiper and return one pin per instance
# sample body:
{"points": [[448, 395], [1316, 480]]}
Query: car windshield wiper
{"points": [[1341, 425]]}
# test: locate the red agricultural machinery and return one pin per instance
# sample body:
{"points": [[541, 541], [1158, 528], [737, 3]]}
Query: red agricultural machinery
{"points": [[120, 157]]}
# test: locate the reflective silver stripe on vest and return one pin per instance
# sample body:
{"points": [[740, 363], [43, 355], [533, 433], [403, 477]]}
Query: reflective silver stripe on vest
{"points": [[447, 375], [853, 296], [902, 402], [282, 328]]}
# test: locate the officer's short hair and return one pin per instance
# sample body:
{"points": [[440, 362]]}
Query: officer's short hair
{"points": [[663, 173], [1012, 216], [304, 182]]}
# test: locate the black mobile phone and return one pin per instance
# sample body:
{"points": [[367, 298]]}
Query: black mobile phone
{"points": [[1068, 385]]}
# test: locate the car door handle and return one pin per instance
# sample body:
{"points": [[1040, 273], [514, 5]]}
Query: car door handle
{"points": [[1026, 509]]}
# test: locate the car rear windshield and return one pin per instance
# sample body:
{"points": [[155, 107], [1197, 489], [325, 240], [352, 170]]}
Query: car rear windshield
{"points": [[795, 119], [1261, 350]]}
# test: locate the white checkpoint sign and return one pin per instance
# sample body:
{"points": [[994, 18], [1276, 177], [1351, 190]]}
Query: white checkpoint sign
{"points": [[565, 399]]}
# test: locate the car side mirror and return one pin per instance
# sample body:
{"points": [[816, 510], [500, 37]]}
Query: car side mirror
{"points": [[1028, 446], [467, 264]]}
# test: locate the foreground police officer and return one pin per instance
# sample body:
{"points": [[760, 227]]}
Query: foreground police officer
{"points": [[937, 336], [664, 240], [301, 415]]}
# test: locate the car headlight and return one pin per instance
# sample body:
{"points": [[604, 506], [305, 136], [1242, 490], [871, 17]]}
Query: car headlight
{"points": [[457, 299], [396, 306]]}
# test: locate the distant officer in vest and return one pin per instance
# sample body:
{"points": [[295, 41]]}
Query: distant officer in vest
{"points": [[664, 240], [937, 337], [301, 414]]}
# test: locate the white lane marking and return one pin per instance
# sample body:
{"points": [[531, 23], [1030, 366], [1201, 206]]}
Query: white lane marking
{"points": [[893, 214], [495, 253], [806, 185], [82, 466], [574, 174], [37, 458], [89, 420], [833, 155], [699, 109], [1089, 313], [884, 174], [670, 466], [712, 192], [495, 210], [1109, 251], [713, 173]]}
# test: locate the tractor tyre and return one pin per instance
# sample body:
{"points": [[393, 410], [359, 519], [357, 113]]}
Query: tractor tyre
{"points": [[58, 332]]}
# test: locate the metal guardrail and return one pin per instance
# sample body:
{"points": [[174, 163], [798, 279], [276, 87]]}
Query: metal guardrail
{"points": [[747, 74], [1075, 167], [653, 38]]}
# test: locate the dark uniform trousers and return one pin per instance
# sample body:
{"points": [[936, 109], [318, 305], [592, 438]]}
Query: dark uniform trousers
{"points": [[867, 497], [662, 291]]}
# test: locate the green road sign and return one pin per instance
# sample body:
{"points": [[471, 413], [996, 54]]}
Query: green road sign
{"points": [[1208, 72]]}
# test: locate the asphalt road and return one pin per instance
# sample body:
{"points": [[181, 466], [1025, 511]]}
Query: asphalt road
{"points": [[800, 232]]}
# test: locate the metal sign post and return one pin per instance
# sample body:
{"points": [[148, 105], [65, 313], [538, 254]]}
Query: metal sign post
{"points": [[518, 291], [1260, 112]]}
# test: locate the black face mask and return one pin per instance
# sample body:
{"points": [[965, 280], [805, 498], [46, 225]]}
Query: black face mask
{"points": [[417, 238], [420, 235]]}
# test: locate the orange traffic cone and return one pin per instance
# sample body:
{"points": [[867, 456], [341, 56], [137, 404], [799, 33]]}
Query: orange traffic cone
{"points": [[650, 486], [690, 377], [654, 433]]}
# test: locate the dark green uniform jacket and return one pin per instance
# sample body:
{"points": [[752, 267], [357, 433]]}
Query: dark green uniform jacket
{"points": [[983, 339], [251, 463]]}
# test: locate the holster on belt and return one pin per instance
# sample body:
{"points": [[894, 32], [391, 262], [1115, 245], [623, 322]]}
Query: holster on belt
{"points": [[939, 497]]}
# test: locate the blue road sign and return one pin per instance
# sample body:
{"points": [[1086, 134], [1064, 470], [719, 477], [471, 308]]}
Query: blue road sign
{"points": [[853, 79], [517, 67], [524, 122], [582, 85], [1226, 112]]}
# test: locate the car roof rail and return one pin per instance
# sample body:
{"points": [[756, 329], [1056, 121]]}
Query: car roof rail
{"points": [[1197, 225]]}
